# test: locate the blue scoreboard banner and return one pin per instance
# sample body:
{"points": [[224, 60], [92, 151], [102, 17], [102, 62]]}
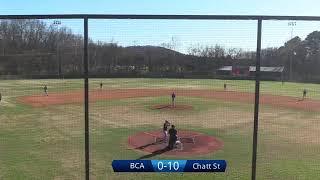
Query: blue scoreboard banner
{"points": [[169, 165]]}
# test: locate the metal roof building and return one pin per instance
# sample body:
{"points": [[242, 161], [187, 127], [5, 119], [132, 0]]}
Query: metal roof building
{"points": [[248, 72], [279, 69]]}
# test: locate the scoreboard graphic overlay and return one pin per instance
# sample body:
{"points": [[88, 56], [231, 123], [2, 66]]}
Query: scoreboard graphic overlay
{"points": [[169, 165]]}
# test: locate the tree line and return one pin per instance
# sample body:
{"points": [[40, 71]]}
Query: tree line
{"points": [[32, 47]]}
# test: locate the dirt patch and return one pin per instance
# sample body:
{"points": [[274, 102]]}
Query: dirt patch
{"points": [[170, 107], [231, 96], [193, 143]]}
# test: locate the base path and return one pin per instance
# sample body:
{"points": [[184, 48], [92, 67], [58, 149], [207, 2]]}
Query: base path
{"points": [[193, 143], [230, 96]]}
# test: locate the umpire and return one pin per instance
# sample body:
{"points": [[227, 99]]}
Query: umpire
{"points": [[172, 137]]}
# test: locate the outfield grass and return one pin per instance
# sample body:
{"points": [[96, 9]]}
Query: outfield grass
{"points": [[47, 143], [268, 87], [24, 87]]}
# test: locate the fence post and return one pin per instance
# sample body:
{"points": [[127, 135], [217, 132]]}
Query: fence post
{"points": [[256, 103], [86, 96]]}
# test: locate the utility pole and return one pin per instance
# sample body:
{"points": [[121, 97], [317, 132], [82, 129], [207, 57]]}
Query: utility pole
{"points": [[290, 66], [2, 44], [59, 60]]}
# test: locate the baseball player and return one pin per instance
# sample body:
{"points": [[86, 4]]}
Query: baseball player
{"points": [[0, 97], [165, 130], [173, 96], [304, 95], [45, 89], [173, 137], [225, 86], [101, 85]]}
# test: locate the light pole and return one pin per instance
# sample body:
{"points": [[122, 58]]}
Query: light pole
{"points": [[57, 23], [292, 53], [292, 24]]}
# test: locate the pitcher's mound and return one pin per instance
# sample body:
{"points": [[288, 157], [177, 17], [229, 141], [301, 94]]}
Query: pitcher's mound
{"points": [[170, 107]]}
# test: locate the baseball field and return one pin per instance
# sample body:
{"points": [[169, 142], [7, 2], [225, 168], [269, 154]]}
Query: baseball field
{"points": [[42, 137]]}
